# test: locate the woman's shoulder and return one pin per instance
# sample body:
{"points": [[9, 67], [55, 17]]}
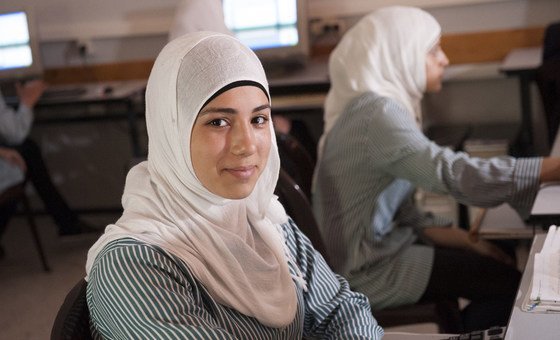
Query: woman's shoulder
{"points": [[373, 98], [379, 111], [128, 251]]}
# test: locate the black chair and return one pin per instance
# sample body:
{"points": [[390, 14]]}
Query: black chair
{"points": [[444, 313], [72, 319], [296, 161], [548, 79], [297, 205], [17, 194]]}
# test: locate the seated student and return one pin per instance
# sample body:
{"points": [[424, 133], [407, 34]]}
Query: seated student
{"points": [[203, 248], [373, 155], [15, 126]]}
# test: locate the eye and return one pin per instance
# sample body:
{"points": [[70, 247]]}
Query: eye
{"points": [[217, 122], [260, 120]]}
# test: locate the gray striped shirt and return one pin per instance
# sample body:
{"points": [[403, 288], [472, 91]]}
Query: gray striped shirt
{"points": [[373, 159], [139, 291]]}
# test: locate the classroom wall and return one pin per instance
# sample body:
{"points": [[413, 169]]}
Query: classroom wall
{"points": [[137, 29], [89, 160]]}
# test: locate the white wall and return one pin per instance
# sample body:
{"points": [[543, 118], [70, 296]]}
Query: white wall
{"points": [[136, 29]]}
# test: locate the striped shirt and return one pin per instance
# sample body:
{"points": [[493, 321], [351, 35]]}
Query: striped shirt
{"points": [[139, 291], [373, 159]]}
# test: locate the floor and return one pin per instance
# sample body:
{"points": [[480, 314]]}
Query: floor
{"points": [[30, 297]]}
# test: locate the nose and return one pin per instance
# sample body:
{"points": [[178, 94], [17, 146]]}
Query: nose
{"points": [[444, 59], [243, 140]]}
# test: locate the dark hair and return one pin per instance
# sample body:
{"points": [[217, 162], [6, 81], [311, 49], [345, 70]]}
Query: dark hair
{"points": [[233, 85]]}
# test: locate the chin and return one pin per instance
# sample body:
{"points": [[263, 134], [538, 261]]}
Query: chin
{"points": [[238, 193]]}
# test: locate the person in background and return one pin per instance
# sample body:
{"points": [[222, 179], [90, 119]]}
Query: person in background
{"points": [[198, 15], [15, 126], [373, 155], [203, 248]]}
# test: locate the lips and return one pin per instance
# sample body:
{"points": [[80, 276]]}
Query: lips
{"points": [[242, 172]]}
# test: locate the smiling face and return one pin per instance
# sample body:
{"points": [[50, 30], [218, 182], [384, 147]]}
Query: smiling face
{"points": [[436, 61], [231, 140]]}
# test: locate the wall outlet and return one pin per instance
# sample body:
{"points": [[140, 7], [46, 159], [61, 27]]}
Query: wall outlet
{"points": [[84, 46], [327, 26]]}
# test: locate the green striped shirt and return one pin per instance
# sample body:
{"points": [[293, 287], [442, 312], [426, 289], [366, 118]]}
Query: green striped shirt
{"points": [[139, 291], [373, 159]]}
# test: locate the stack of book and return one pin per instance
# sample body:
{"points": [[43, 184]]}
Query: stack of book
{"points": [[545, 285]]}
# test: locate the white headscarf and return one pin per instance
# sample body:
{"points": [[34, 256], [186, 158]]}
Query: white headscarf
{"points": [[198, 15], [234, 247], [385, 53]]}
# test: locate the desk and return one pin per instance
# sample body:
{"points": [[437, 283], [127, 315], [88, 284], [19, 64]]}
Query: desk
{"points": [[301, 89], [523, 63], [523, 325], [546, 208], [93, 103], [502, 222]]}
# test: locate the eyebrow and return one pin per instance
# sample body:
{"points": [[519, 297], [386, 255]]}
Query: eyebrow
{"points": [[228, 110]]}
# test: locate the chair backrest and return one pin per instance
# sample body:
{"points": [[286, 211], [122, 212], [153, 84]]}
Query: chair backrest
{"points": [[72, 319], [298, 207], [296, 161]]}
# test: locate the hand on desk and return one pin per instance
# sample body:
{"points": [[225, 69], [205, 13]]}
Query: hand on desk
{"points": [[30, 92]]}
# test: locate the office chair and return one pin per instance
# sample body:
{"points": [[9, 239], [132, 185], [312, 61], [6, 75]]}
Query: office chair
{"points": [[72, 319], [296, 161], [17, 194], [444, 313]]}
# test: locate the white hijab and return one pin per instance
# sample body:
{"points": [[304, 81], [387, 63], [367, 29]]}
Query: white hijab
{"points": [[198, 15], [234, 247], [385, 53]]}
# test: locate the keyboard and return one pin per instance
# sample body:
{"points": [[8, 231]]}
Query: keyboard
{"points": [[492, 333]]}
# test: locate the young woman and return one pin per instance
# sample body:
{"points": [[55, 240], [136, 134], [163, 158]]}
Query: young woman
{"points": [[373, 156], [203, 248]]}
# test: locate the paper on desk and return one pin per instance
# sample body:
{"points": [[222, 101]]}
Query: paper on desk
{"points": [[546, 274]]}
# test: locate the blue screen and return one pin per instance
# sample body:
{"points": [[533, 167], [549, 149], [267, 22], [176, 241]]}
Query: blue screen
{"points": [[262, 24], [15, 48]]}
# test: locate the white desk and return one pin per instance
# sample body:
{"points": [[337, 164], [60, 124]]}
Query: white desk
{"points": [[502, 222], [522, 63], [524, 325], [546, 208], [414, 336]]}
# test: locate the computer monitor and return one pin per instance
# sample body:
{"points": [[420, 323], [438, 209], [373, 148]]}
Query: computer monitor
{"points": [[19, 49], [276, 30]]}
